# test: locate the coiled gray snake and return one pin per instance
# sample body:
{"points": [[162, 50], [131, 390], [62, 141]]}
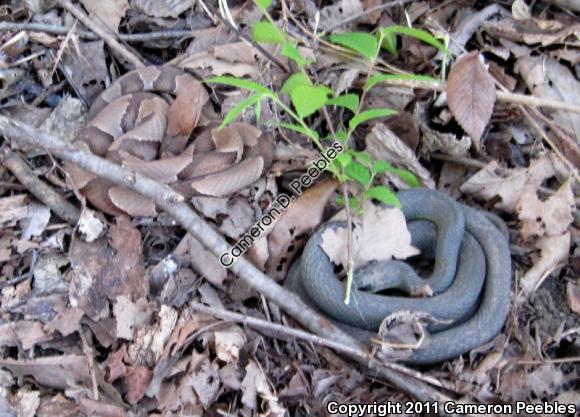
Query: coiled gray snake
{"points": [[471, 278]]}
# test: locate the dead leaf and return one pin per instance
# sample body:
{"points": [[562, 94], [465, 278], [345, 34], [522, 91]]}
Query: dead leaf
{"points": [[108, 12], [573, 295], [22, 333], [382, 235], [28, 403], [162, 8], [547, 78], [204, 379], [13, 208], [130, 315], [554, 252], [334, 15], [551, 217], [89, 225], [471, 94], [59, 372], [135, 383], [254, 383], [520, 10], [489, 182], [228, 344], [302, 215], [36, 220], [383, 144]]}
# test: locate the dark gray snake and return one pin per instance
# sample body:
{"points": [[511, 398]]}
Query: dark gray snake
{"points": [[471, 278]]}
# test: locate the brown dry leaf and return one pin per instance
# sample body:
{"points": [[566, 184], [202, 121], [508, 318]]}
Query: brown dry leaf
{"points": [[57, 405], [67, 321], [183, 114], [108, 12], [302, 215], [236, 215], [333, 15], [228, 343], [93, 283], [204, 378], [384, 145], [531, 31], [551, 217], [236, 58], [549, 79], [135, 383], [489, 182], [204, 262], [59, 372], [382, 235], [255, 382], [131, 315], [162, 8], [573, 295], [13, 208], [91, 407], [471, 94], [22, 333], [554, 252]]}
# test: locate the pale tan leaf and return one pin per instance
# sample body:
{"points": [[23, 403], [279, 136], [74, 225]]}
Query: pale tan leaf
{"points": [[228, 344], [384, 145], [489, 182], [554, 251], [520, 10], [551, 217], [471, 94], [108, 12], [382, 235], [130, 315], [573, 295], [163, 8], [302, 215]]}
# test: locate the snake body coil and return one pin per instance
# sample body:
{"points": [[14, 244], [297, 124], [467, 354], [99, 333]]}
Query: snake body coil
{"points": [[471, 279]]}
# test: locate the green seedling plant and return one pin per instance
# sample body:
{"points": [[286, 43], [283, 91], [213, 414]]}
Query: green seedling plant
{"points": [[355, 170]]}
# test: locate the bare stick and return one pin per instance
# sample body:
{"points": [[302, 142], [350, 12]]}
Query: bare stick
{"points": [[43, 192], [171, 202], [85, 34], [104, 32]]}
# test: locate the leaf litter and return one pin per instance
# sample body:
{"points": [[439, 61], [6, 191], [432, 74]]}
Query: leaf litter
{"points": [[96, 319]]}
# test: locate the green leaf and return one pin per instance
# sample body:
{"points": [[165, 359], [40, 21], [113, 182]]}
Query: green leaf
{"points": [[239, 108], [358, 173], [300, 129], [266, 32], [390, 42], [295, 80], [307, 99], [241, 83], [416, 33], [379, 78], [341, 135], [349, 101], [344, 159], [363, 43], [407, 176], [290, 50], [353, 203], [368, 115], [363, 157], [383, 195], [263, 4]]}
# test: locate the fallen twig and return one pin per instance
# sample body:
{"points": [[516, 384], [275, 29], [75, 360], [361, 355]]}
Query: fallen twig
{"points": [[43, 192], [88, 35], [104, 33], [173, 204]]}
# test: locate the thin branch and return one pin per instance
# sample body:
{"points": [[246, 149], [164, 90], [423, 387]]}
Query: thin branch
{"points": [[88, 35], [173, 204], [43, 192], [105, 33]]}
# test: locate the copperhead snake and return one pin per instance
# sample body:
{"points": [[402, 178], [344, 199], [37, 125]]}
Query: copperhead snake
{"points": [[134, 124], [471, 279]]}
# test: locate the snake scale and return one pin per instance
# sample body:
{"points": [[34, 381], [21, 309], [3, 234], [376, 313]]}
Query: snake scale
{"points": [[144, 121], [471, 278]]}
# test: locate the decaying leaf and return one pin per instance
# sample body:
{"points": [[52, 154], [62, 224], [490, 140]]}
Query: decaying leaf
{"points": [[162, 8], [59, 372], [255, 383], [471, 94], [384, 145], [108, 12], [22, 333], [489, 182], [228, 344], [302, 215], [89, 225], [381, 235], [554, 251], [130, 315], [573, 296], [551, 217]]}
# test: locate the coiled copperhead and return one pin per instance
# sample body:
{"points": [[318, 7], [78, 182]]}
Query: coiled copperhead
{"points": [[133, 125]]}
